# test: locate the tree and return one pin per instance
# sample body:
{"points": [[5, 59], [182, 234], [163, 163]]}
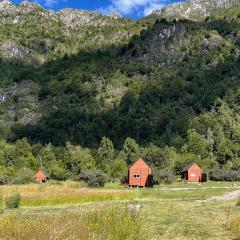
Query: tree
{"points": [[24, 154], [196, 144], [78, 159], [131, 151], [119, 169], [46, 156], [105, 153], [57, 171]]}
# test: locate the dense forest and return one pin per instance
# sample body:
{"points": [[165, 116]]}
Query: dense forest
{"points": [[167, 92]]}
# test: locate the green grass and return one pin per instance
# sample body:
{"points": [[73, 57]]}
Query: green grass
{"points": [[75, 198], [113, 222], [186, 195], [96, 214], [200, 185], [187, 220]]}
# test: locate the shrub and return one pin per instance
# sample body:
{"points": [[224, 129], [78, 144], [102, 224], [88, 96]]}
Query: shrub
{"points": [[93, 178], [124, 180], [57, 172], [13, 201], [164, 176], [218, 174], [23, 176], [3, 180]]}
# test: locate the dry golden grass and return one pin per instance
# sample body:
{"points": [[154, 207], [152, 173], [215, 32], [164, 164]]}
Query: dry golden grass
{"points": [[234, 225], [167, 215], [118, 223], [66, 193]]}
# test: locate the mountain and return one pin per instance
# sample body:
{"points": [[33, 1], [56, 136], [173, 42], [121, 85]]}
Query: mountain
{"points": [[29, 30], [78, 76], [165, 87], [195, 9]]}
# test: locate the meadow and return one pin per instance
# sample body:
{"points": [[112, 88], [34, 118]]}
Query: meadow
{"points": [[69, 210]]}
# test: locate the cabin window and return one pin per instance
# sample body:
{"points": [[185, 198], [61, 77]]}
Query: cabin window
{"points": [[136, 175]]}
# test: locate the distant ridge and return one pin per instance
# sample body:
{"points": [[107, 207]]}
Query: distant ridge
{"points": [[195, 9]]}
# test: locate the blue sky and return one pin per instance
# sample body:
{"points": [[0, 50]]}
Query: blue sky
{"points": [[127, 8]]}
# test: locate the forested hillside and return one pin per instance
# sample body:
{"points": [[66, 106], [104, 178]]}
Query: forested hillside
{"points": [[163, 89]]}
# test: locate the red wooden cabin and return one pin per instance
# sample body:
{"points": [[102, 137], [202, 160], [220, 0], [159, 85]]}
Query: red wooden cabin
{"points": [[140, 175], [41, 177], [193, 173]]}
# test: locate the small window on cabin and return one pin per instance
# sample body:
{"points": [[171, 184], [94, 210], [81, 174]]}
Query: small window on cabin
{"points": [[136, 175]]}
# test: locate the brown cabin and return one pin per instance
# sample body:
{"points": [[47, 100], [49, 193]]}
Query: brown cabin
{"points": [[193, 173], [140, 175], [41, 177]]}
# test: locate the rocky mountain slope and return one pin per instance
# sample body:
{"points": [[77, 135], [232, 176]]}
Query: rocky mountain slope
{"points": [[195, 9], [28, 30], [77, 75]]}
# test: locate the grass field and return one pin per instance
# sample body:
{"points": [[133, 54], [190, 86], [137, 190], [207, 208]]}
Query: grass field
{"points": [[71, 211]]}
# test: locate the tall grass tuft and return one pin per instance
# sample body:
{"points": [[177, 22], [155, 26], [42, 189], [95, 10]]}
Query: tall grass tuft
{"points": [[13, 201], [115, 222], [234, 225]]}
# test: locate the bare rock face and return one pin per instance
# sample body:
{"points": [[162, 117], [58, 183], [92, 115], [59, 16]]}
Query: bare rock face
{"points": [[12, 50], [13, 13], [20, 103], [77, 18], [28, 7], [195, 9], [115, 15], [4, 3]]}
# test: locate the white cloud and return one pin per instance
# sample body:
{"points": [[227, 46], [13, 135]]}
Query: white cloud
{"points": [[153, 6], [49, 3], [140, 7]]}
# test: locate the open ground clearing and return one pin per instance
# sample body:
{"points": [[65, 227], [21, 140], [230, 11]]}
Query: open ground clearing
{"points": [[70, 211]]}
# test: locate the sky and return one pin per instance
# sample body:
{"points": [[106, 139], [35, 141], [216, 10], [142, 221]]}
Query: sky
{"points": [[127, 8]]}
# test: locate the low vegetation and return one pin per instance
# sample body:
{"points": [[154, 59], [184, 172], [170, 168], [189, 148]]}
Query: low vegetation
{"points": [[34, 195], [13, 201], [234, 225], [69, 210], [114, 222]]}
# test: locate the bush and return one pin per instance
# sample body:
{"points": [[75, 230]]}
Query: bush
{"points": [[3, 180], [93, 178], [23, 176], [218, 174], [13, 201], [57, 172], [164, 176], [124, 180]]}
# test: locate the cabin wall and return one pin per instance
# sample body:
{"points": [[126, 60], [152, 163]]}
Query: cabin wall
{"points": [[195, 174], [142, 169]]}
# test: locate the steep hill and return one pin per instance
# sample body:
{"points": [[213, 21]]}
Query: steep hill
{"points": [[79, 76], [195, 9]]}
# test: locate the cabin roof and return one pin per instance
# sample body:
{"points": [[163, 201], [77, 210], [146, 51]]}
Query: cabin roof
{"points": [[187, 167], [140, 161], [40, 174]]}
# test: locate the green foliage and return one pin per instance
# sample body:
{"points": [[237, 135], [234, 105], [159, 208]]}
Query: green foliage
{"points": [[105, 154], [22, 176], [224, 175], [118, 169], [170, 105], [58, 172], [78, 159], [13, 201], [131, 151], [164, 176], [93, 178]]}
